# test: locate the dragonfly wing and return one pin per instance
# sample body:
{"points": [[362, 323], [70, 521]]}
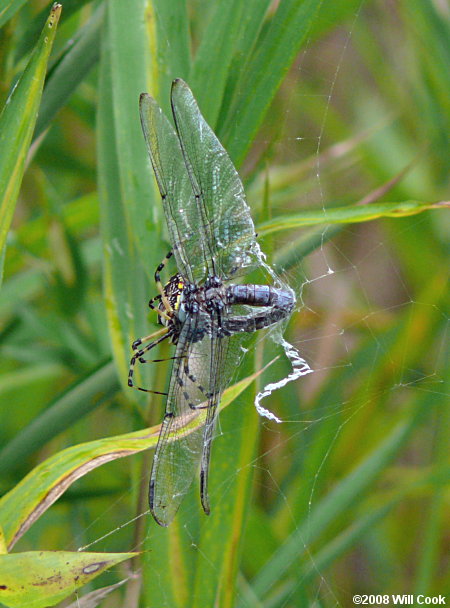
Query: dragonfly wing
{"points": [[225, 355], [180, 442], [174, 465], [175, 188], [225, 224], [202, 370], [218, 352]]}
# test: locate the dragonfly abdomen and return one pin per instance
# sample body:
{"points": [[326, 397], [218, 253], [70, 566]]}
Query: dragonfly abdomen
{"points": [[261, 295], [278, 304]]}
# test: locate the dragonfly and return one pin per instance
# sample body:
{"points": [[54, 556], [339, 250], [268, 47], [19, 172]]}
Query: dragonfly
{"points": [[205, 309]]}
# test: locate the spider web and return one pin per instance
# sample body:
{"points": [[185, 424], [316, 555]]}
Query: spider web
{"points": [[357, 267]]}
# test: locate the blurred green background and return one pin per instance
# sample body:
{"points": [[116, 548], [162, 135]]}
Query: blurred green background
{"points": [[320, 105]]}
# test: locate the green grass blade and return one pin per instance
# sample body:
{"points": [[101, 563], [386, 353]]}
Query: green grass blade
{"points": [[17, 123], [8, 8], [128, 211], [292, 253], [274, 54], [252, 21], [434, 522], [215, 54], [170, 45], [77, 401], [346, 215], [31, 35], [74, 66]]}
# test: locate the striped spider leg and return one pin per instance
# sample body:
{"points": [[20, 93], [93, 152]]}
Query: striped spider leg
{"points": [[171, 293], [160, 336], [162, 296], [165, 312]]}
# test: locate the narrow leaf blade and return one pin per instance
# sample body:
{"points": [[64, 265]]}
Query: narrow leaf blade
{"points": [[17, 123]]}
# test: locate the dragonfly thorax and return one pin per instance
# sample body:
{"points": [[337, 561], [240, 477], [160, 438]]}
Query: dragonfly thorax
{"points": [[202, 304], [205, 300]]}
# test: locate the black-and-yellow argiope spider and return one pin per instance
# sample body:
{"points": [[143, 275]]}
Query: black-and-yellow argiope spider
{"points": [[168, 298]]}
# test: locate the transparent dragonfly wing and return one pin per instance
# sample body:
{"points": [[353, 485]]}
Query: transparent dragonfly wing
{"points": [[225, 224], [201, 372], [175, 188], [180, 442], [225, 354]]}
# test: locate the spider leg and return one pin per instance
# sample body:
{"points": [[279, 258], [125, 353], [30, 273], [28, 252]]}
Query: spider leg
{"points": [[159, 285], [161, 297], [140, 341], [158, 360], [163, 334], [156, 298], [165, 311]]}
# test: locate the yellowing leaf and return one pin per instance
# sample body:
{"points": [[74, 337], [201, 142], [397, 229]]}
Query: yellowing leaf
{"points": [[37, 579], [30, 498], [347, 215]]}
